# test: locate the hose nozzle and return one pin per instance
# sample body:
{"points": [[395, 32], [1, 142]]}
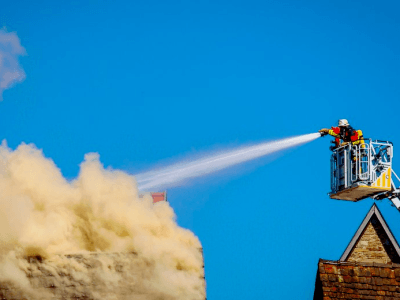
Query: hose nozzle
{"points": [[323, 132]]}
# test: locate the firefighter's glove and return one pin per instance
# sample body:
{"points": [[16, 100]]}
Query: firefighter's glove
{"points": [[323, 131]]}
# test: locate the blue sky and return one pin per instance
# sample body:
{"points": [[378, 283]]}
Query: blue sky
{"points": [[144, 82]]}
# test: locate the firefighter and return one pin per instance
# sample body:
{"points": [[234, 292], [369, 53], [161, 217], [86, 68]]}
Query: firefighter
{"points": [[345, 133]]}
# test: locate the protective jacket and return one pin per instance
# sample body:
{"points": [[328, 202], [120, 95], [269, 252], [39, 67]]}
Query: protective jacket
{"points": [[347, 135]]}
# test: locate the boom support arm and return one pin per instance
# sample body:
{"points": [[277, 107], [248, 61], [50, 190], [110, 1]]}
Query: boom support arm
{"points": [[396, 201]]}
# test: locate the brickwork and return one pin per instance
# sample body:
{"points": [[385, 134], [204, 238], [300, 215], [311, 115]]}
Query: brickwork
{"points": [[82, 277], [369, 267], [369, 248], [347, 280]]}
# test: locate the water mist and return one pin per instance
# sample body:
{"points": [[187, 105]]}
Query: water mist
{"points": [[180, 172]]}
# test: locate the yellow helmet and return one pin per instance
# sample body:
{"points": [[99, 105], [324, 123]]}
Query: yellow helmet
{"points": [[343, 123]]}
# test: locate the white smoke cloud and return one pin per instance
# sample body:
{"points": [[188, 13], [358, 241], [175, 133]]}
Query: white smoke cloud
{"points": [[10, 70], [42, 214]]}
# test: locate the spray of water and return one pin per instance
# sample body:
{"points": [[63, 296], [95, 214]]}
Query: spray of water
{"points": [[180, 172]]}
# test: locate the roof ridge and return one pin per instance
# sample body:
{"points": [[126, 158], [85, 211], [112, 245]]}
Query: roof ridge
{"points": [[374, 210]]}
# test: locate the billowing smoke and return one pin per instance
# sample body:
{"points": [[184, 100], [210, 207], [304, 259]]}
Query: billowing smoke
{"points": [[181, 172], [45, 216], [10, 70]]}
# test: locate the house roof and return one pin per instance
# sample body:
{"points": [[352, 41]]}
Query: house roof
{"points": [[386, 236], [351, 280], [369, 267]]}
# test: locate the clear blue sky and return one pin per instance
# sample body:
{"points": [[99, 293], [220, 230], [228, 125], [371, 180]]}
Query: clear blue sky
{"points": [[143, 82]]}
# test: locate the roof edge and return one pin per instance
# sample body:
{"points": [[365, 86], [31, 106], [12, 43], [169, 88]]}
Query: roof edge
{"points": [[358, 233], [387, 230], [374, 210], [363, 264]]}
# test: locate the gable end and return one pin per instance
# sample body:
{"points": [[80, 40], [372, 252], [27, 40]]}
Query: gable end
{"points": [[373, 241]]}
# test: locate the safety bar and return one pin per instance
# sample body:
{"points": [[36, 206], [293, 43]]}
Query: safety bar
{"points": [[359, 163]]}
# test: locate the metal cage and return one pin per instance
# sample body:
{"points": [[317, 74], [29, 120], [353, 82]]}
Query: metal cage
{"points": [[361, 171]]}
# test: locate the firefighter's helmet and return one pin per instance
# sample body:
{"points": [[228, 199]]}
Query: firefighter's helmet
{"points": [[343, 123]]}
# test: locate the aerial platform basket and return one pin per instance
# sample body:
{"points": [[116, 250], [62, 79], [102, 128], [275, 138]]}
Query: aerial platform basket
{"points": [[362, 171]]}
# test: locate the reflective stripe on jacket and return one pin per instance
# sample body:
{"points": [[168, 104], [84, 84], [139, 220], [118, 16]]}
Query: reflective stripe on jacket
{"points": [[335, 131], [360, 139], [347, 135]]}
